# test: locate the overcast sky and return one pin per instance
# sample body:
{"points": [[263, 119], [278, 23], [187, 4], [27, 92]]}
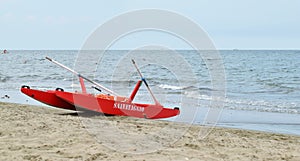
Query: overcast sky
{"points": [[231, 24]]}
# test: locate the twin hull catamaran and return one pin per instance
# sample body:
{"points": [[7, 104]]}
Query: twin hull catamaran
{"points": [[108, 104]]}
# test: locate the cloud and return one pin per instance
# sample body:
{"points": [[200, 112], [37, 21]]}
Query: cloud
{"points": [[31, 18], [49, 20], [62, 20], [7, 17]]}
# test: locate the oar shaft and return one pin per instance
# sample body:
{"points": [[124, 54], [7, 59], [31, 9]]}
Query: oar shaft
{"points": [[79, 75], [63, 66], [144, 80]]}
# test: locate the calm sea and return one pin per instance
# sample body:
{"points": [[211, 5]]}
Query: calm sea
{"points": [[256, 80]]}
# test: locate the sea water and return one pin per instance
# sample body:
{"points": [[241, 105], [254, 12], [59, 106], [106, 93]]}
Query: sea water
{"points": [[262, 86]]}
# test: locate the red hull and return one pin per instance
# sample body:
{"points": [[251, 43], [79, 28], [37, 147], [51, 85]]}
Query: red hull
{"points": [[47, 97], [68, 100]]}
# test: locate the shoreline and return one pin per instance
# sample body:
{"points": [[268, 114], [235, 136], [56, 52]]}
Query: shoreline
{"points": [[281, 123], [40, 133]]}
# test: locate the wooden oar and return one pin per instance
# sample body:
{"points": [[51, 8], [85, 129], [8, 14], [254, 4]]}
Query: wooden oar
{"points": [[79, 75]]}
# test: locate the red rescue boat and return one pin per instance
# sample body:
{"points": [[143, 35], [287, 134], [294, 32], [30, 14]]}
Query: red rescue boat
{"points": [[109, 104]]}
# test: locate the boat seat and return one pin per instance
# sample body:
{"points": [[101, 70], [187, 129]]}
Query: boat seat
{"points": [[105, 96]]}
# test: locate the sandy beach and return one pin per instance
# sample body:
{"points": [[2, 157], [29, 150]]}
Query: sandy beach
{"points": [[41, 133]]}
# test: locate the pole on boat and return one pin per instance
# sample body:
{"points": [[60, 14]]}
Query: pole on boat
{"points": [[144, 80], [81, 76]]}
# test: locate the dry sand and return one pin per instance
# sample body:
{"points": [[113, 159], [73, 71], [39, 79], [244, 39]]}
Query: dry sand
{"points": [[41, 133]]}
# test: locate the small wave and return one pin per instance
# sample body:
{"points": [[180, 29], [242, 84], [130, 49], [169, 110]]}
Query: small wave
{"points": [[74, 85], [29, 76], [4, 79], [192, 88], [250, 105], [205, 89], [165, 86], [197, 95], [57, 77]]}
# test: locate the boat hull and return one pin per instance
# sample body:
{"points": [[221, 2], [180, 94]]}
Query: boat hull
{"points": [[47, 97], [71, 101]]}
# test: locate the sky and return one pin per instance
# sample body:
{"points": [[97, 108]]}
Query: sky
{"points": [[231, 24]]}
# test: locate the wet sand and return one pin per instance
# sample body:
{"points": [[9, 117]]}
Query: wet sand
{"points": [[40, 133]]}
